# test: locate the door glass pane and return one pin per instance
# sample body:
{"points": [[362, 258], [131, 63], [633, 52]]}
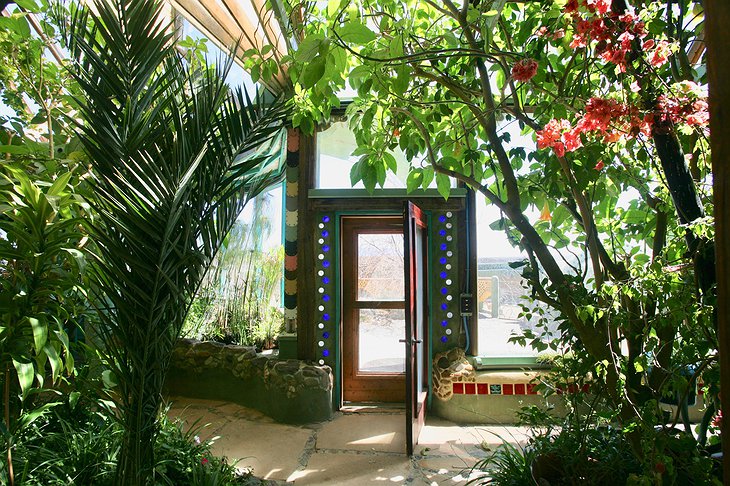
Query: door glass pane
{"points": [[379, 346], [380, 267]]}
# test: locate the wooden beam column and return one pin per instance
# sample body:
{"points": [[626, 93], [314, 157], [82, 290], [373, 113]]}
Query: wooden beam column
{"points": [[305, 237], [717, 20]]}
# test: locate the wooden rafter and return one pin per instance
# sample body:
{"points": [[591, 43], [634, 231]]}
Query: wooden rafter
{"points": [[228, 23]]}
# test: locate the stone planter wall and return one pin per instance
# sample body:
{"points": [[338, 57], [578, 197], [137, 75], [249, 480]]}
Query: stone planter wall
{"points": [[290, 391]]}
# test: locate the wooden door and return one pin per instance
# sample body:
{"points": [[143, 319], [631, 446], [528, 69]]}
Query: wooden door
{"points": [[373, 309], [416, 340]]}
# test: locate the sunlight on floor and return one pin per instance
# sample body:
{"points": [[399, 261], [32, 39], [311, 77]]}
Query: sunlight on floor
{"points": [[376, 439]]}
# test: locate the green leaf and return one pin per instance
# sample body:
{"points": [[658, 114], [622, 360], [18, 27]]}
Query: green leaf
{"points": [[402, 79], [14, 149], [309, 48], [40, 333], [29, 417], [109, 379], [634, 216], [355, 32], [357, 76], [29, 5], [313, 72], [355, 173], [73, 399], [333, 7], [390, 162], [443, 185], [427, 177], [369, 175], [55, 361], [59, 185], [26, 375], [414, 180]]}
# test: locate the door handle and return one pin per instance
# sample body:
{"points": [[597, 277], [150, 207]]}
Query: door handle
{"points": [[413, 341]]}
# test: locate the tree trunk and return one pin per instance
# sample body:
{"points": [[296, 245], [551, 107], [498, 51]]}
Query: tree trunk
{"points": [[717, 18], [689, 208], [137, 454]]}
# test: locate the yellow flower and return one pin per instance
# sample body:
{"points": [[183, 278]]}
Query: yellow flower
{"points": [[545, 213]]}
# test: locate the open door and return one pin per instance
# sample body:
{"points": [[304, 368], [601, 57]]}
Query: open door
{"points": [[416, 258]]}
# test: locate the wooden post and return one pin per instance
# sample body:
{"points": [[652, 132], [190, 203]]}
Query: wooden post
{"points": [[717, 18]]}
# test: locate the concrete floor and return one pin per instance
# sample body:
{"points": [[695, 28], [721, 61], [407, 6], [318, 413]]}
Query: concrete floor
{"points": [[355, 448]]}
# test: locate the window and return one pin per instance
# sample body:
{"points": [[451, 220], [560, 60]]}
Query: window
{"points": [[501, 293]]}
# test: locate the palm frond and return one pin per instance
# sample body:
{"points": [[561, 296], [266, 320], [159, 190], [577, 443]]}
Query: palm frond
{"points": [[175, 156]]}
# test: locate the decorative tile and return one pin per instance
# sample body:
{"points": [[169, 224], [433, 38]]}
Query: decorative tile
{"points": [[470, 388], [482, 389], [495, 389], [531, 389], [290, 262], [458, 388], [292, 218], [519, 389], [508, 389]]}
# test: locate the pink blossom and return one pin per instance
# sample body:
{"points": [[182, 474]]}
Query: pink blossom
{"points": [[572, 140], [660, 55]]}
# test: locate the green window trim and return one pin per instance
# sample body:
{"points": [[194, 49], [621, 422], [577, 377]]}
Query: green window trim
{"points": [[507, 362], [381, 193]]}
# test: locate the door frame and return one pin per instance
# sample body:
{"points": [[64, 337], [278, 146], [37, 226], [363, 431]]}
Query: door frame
{"points": [[392, 385]]}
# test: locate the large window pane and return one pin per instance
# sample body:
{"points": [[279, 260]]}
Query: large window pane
{"points": [[500, 292], [380, 267], [380, 349]]}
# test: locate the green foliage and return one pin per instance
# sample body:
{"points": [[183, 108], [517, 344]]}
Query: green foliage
{"points": [[42, 297], [238, 300], [35, 88], [594, 454], [173, 153], [79, 443], [625, 272], [42, 264]]}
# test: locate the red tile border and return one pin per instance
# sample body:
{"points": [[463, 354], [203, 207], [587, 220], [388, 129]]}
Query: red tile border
{"points": [[461, 388]]}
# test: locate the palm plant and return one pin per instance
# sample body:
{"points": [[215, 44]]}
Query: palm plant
{"points": [[174, 159]]}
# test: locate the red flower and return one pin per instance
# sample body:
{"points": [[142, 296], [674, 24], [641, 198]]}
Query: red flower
{"points": [[396, 133], [571, 6], [660, 55], [599, 166], [524, 70], [717, 421], [601, 7], [204, 461], [557, 134], [660, 467], [572, 140]]}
